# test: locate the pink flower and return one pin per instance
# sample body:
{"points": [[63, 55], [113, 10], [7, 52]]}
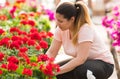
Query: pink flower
{"points": [[50, 14], [12, 11]]}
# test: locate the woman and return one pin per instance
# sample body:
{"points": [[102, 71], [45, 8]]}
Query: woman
{"points": [[76, 33]]}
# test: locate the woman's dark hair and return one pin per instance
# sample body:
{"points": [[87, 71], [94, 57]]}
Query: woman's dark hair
{"points": [[67, 10]]}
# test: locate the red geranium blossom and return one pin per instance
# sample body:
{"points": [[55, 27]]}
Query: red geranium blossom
{"points": [[31, 42], [23, 49], [50, 34], [42, 57], [1, 56], [12, 66], [5, 41], [1, 31], [43, 44], [13, 59], [35, 36], [4, 66], [31, 23], [1, 72], [15, 44], [14, 29], [27, 71], [32, 30], [38, 47]]}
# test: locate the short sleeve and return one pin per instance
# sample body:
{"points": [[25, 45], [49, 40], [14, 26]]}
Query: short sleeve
{"points": [[86, 33], [57, 34]]}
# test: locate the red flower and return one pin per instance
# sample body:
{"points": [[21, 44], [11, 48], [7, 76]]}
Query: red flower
{"points": [[25, 56], [15, 38], [23, 49], [1, 56], [43, 44], [42, 67], [50, 34], [38, 47], [31, 42], [1, 31], [57, 67], [13, 59], [24, 22], [7, 3], [33, 30], [33, 64], [22, 33], [25, 39], [27, 60], [4, 41], [42, 57], [4, 66], [35, 36], [43, 34], [12, 66], [31, 14], [48, 70], [28, 72], [22, 54], [20, 1], [15, 44], [1, 72], [50, 67], [14, 29], [31, 23]]}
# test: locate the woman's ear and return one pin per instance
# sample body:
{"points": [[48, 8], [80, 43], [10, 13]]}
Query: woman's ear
{"points": [[72, 19]]}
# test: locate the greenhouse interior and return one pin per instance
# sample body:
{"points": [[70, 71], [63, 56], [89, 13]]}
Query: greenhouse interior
{"points": [[49, 39]]}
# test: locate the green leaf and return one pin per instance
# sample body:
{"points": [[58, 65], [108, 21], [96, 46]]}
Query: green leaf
{"points": [[20, 69], [33, 58]]}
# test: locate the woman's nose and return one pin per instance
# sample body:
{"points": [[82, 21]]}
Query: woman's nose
{"points": [[57, 23]]}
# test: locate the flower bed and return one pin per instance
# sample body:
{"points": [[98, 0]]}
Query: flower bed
{"points": [[25, 67], [24, 38]]}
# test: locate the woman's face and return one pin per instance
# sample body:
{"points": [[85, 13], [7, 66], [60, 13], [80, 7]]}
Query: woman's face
{"points": [[63, 23]]}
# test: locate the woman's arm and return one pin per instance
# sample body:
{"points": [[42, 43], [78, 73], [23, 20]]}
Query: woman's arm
{"points": [[54, 48], [82, 55]]}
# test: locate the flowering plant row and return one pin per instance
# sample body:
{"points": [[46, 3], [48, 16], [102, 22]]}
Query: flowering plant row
{"points": [[21, 14], [25, 67], [112, 23], [21, 55], [24, 38]]}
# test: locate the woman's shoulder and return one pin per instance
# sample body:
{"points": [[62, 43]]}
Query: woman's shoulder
{"points": [[87, 27]]}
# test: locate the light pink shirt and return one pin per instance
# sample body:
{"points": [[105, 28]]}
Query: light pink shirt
{"points": [[86, 33]]}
